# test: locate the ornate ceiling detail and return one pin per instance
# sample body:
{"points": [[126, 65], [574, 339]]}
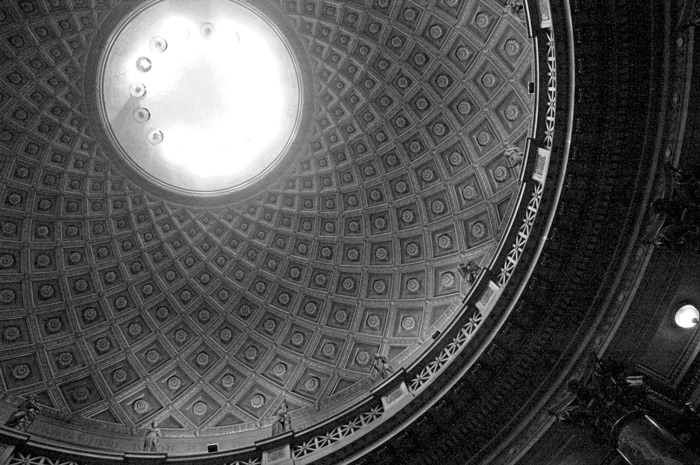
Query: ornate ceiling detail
{"points": [[119, 306]]}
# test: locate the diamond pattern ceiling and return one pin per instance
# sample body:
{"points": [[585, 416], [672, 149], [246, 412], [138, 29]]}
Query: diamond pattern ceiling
{"points": [[119, 307]]}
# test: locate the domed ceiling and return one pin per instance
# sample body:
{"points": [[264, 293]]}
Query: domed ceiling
{"points": [[120, 305]]}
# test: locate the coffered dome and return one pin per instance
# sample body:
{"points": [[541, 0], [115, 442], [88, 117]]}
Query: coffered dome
{"points": [[132, 291]]}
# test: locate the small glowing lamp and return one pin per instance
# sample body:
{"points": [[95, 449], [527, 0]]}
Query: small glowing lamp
{"points": [[207, 30], [159, 44], [155, 137], [687, 316], [137, 89], [142, 115], [213, 104], [144, 64]]}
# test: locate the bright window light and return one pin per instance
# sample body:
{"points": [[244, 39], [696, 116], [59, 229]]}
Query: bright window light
{"points": [[201, 94]]}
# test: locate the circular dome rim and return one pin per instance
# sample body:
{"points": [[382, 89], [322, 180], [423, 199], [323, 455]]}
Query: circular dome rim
{"points": [[97, 121], [151, 189]]}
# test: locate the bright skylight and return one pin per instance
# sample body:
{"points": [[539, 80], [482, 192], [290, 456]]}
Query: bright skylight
{"points": [[201, 94]]}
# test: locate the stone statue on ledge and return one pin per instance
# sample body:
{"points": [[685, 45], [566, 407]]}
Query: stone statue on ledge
{"points": [[381, 365], [24, 415], [678, 236], [598, 400], [686, 185], [514, 156], [687, 427], [469, 272], [681, 228], [517, 9], [150, 442], [281, 421]]}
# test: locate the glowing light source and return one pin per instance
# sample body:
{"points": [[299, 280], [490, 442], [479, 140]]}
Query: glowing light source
{"points": [[223, 103], [144, 64], [142, 115], [227, 111], [137, 90], [687, 316], [207, 30], [158, 44], [155, 137]]}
